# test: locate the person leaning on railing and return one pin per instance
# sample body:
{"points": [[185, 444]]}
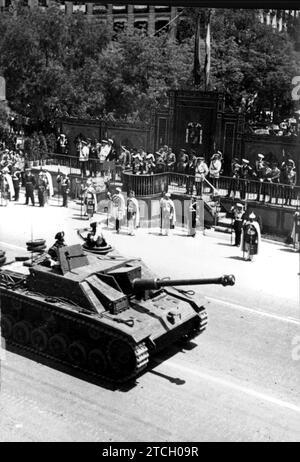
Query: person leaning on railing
{"points": [[247, 173], [170, 160], [272, 178], [289, 179]]}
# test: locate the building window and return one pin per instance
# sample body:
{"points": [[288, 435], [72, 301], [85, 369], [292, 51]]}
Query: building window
{"points": [[119, 26], [118, 9], [141, 25], [161, 24], [160, 9], [141, 9], [81, 8], [99, 9]]}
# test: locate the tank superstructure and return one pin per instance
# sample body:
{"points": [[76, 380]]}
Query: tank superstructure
{"points": [[106, 315]]}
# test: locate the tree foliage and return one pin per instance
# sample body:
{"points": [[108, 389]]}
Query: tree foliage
{"points": [[57, 65]]}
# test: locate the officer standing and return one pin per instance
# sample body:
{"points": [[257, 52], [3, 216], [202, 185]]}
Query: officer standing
{"points": [[238, 215], [65, 189], [251, 238], [16, 179], [29, 186], [168, 214], [42, 188], [192, 222]]}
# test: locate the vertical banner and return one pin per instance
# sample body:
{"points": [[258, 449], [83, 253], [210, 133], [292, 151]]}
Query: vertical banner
{"points": [[197, 54], [207, 52]]}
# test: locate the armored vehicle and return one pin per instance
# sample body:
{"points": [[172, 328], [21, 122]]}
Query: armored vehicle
{"points": [[106, 315]]}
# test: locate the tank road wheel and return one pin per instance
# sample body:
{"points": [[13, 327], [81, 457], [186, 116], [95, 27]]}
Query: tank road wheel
{"points": [[58, 345], [7, 323], [97, 360], [39, 339], [77, 353], [21, 332], [122, 357]]}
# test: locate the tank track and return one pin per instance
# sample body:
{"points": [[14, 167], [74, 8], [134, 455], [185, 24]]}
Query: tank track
{"points": [[203, 320], [140, 354]]}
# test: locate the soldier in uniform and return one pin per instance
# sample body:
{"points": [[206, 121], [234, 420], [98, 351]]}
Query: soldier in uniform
{"points": [[90, 201], [29, 186], [16, 179], [246, 174], [65, 189], [201, 171], [236, 173], [95, 237], [215, 168], [296, 231], [60, 242], [42, 188], [250, 238], [237, 213], [168, 214], [192, 216], [260, 173], [118, 207], [290, 179], [133, 215], [170, 160]]}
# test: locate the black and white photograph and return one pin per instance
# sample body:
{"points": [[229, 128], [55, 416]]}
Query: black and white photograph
{"points": [[149, 224]]}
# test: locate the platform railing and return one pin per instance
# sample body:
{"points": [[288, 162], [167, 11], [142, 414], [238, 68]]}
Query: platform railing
{"points": [[236, 188]]}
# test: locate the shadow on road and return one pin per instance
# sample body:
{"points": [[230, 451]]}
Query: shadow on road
{"points": [[287, 249], [236, 258], [225, 244], [176, 381]]}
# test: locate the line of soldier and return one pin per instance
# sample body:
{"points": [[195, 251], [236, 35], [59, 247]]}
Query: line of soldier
{"points": [[12, 179], [266, 174]]}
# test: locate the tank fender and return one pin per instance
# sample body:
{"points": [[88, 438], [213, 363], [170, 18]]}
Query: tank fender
{"points": [[197, 301]]}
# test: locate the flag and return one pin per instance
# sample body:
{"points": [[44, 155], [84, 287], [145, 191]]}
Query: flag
{"points": [[207, 52], [197, 54]]}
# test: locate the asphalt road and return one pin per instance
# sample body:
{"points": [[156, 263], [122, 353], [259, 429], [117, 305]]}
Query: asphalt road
{"points": [[239, 381]]}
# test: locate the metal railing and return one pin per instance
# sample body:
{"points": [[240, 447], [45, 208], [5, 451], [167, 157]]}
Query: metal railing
{"points": [[90, 167], [236, 188]]}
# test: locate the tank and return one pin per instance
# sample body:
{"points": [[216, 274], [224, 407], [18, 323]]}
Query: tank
{"points": [[105, 315]]}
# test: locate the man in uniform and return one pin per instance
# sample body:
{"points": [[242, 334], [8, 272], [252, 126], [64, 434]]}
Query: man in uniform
{"points": [[170, 160], [42, 188], [60, 242], [296, 231], [250, 238], [118, 207], [16, 179], [246, 174], [84, 152], [29, 186], [192, 221], [133, 215], [65, 189], [238, 214], [201, 171], [168, 214], [215, 167]]}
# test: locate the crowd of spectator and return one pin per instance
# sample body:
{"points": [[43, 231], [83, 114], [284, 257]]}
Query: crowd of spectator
{"points": [[287, 127]]}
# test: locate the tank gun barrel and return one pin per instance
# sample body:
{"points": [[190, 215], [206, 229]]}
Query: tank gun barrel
{"points": [[148, 284]]}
